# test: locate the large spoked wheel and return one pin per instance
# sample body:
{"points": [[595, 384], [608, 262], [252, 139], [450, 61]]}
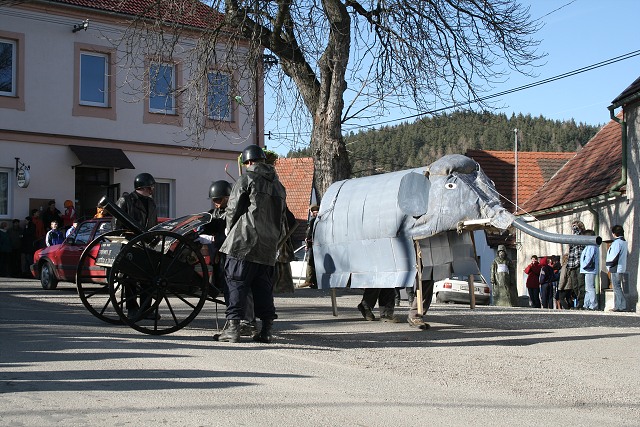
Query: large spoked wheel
{"points": [[92, 281], [159, 282]]}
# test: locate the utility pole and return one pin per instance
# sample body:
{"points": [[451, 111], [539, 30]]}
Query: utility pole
{"points": [[515, 150]]}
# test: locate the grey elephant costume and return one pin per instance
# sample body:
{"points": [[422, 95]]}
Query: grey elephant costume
{"points": [[410, 228]]}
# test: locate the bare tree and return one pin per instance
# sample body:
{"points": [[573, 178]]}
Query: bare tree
{"points": [[392, 52], [427, 51]]}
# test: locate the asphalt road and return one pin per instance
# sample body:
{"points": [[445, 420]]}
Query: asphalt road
{"points": [[490, 366]]}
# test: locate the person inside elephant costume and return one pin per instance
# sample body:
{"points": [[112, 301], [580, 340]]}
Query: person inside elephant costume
{"points": [[503, 280]]}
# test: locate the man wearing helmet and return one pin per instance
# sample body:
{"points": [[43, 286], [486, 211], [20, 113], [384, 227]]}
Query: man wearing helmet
{"points": [[139, 205], [213, 235], [255, 218]]}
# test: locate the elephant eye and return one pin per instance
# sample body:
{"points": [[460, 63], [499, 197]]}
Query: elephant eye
{"points": [[450, 185]]}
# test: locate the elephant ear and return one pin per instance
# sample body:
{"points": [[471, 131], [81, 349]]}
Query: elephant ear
{"points": [[413, 194], [453, 163]]}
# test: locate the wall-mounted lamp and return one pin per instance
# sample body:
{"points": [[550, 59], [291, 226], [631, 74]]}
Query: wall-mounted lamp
{"points": [[81, 26], [22, 174]]}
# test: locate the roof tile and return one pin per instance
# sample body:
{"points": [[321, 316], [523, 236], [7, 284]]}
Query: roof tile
{"points": [[593, 171], [534, 169], [188, 12], [296, 174]]}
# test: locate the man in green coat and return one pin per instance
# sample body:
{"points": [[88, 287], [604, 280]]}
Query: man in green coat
{"points": [[503, 280]]}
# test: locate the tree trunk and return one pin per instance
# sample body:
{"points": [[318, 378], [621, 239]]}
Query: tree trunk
{"points": [[330, 157]]}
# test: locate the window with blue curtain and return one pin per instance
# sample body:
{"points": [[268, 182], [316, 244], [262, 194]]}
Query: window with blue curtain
{"points": [[7, 67], [94, 82], [162, 88]]}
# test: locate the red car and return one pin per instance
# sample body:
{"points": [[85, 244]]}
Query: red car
{"points": [[60, 262]]}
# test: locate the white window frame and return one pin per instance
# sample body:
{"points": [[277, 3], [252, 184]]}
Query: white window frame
{"points": [[6, 182], [14, 67], [215, 115], [170, 104], [105, 94], [170, 204]]}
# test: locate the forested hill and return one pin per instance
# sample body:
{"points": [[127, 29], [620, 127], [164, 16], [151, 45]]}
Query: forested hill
{"points": [[406, 145]]}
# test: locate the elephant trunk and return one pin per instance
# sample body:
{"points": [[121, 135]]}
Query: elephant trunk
{"points": [[570, 239]]}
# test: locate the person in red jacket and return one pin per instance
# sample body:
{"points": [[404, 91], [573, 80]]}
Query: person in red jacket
{"points": [[533, 281]]}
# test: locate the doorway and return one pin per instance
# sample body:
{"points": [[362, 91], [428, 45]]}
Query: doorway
{"points": [[91, 185]]}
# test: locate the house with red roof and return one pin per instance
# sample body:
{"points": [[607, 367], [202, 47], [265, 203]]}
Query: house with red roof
{"points": [[89, 98], [598, 187], [296, 174]]}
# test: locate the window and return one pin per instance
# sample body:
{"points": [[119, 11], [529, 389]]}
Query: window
{"points": [[94, 79], [162, 88], [8, 66], [219, 96], [4, 193], [163, 198], [12, 70]]}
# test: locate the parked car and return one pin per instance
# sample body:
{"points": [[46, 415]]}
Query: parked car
{"points": [[60, 262], [299, 266], [456, 289]]}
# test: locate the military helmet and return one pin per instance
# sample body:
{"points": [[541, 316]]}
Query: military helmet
{"points": [[252, 152], [143, 180], [220, 189]]}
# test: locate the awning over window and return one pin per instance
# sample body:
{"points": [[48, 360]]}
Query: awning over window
{"points": [[101, 157]]}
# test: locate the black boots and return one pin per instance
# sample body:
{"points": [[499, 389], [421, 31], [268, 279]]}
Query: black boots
{"points": [[232, 333], [234, 329], [264, 335]]}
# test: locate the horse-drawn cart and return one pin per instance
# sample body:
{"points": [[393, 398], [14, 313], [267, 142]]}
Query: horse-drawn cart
{"points": [[155, 281]]}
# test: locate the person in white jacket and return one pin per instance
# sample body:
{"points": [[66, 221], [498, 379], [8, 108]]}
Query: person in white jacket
{"points": [[617, 265], [590, 266]]}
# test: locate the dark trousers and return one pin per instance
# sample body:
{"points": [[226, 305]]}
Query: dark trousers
{"points": [[534, 297], [566, 298], [384, 297], [311, 270], [580, 291], [427, 296], [546, 295], [245, 276]]}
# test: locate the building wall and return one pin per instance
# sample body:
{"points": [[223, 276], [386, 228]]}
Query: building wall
{"points": [[485, 254], [40, 133], [50, 60]]}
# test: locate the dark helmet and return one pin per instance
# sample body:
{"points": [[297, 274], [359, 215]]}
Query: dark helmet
{"points": [[143, 180], [252, 152], [220, 189]]}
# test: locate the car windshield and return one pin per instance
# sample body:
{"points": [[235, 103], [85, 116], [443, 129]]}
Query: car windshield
{"points": [[83, 234]]}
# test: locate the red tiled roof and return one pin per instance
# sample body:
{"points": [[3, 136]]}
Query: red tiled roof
{"points": [[187, 12], [592, 172], [296, 175], [534, 169]]}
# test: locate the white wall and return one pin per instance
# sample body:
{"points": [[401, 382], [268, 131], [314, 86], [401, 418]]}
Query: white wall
{"points": [[40, 134], [49, 88]]}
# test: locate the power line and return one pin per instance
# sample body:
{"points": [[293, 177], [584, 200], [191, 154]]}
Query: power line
{"points": [[513, 90], [572, 73]]}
